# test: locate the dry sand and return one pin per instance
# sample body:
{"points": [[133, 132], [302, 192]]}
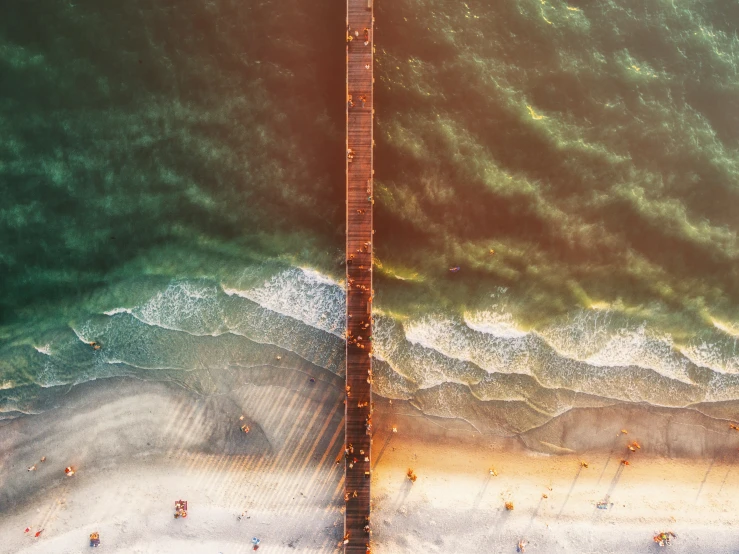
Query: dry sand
{"points": [[138, 446]]}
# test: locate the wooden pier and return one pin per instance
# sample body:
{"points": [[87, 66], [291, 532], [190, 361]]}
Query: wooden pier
{"points": [[359, 200]]}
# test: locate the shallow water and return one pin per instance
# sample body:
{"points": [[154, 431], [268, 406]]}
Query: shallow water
{"points": [[172, 180]]}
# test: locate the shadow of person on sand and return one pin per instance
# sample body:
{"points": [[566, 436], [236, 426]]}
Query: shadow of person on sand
{"points": [[533, 517], [569, 492], [481, 494], [614, 482], [403, 492], [499, 523], [705, 478], [382, 450]]}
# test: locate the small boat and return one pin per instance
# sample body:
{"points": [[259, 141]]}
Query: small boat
{"points": [[454, 269]]}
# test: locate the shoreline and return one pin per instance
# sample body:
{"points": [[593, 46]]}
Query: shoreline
{"points": [[157, 442]]}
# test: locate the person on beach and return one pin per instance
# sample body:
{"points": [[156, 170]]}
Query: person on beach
{"points": [[663, 538], [95, 539], [69, 471], [180, 507], [521, 546]]}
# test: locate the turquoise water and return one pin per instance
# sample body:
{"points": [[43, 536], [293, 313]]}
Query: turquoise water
{"points": [[173, 189]]}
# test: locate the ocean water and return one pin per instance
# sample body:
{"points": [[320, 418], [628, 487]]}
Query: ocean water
{"points": [[172, 188]]}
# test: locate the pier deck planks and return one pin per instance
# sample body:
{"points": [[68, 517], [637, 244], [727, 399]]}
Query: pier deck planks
{"points": [[359, 200]]}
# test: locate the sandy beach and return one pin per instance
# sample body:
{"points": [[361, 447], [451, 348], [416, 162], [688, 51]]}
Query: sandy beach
{"points": [[456, 505], [138, 446]]}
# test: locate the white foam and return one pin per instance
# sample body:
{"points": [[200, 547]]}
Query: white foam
{"points": [[721, 356], [319, 277], [46, 349], [460, 342], [115, 311], [602, 339], [304, 295], [80, 336], [497, 324], [726, 328], [187, 306]]}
